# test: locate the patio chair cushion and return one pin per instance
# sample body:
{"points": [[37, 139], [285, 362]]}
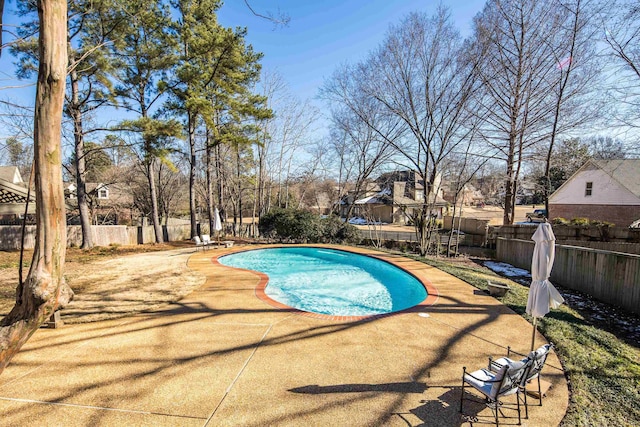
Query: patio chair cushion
{"points": [[541, 351], [512, 368], [539, 358], [499, 363], [485, 381]]}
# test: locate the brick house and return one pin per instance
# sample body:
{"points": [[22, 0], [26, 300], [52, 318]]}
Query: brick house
{"points": [[604, 190]]}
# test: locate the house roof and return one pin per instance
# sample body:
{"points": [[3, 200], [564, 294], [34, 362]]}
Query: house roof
{"points": [[10, 174], [625, 171], [385, 197]]}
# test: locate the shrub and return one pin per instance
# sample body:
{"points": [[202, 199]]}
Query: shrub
{"points": [[290, 224], [390, 244], [599, 223], [330, 227], [334, 230], [267, 224], [580, 221], [304, 227], [560, 221], [348, 234]]}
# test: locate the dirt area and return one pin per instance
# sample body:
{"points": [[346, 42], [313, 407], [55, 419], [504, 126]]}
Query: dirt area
{"points": [[113, 282]]}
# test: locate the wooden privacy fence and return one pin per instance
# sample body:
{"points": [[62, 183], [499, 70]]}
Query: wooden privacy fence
{"points": [[105, 235], [102, 235], [611, 277], [570, 232]]}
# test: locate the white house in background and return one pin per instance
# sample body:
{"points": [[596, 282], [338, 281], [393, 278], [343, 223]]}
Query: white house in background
{"points": [[605, 190], [109, 204], [13, 195]]}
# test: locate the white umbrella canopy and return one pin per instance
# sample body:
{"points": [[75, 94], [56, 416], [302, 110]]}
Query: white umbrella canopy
{"points": [[543, 296], [217, 223]]}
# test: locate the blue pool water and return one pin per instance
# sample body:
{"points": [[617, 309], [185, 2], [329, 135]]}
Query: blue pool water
{"points": [[330, 281]]}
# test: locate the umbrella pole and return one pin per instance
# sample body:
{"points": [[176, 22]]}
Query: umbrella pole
{"points": [[533, 336]]}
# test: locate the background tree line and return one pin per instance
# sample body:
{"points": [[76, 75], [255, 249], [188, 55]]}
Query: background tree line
{"points": [[525, 97], [163, 99]]}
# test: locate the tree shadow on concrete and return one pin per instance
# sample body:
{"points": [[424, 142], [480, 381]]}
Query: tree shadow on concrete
{"points": [[406, 387]]}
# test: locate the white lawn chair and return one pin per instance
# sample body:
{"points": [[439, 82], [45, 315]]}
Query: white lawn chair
{"points": [[199, 243], [492, 385], [538, 359], [206, 240]]}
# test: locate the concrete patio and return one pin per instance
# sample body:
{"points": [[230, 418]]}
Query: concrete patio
{"points": [[223, 357]]}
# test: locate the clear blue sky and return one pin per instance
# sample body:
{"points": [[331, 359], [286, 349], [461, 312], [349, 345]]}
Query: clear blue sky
{"points": [[321, 35]]}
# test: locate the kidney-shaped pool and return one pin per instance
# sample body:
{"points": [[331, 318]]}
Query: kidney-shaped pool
{"points": [[332, 282]]}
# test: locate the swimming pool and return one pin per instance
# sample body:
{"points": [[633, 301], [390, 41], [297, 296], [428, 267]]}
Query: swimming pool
{"points": [[330, 281]]}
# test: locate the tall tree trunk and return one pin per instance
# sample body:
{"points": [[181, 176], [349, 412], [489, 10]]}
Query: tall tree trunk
{"points": [[220, 182], [44, 289], [81, 169], [509, 184], [562, 84], [208, 159], [153, 192], [192, 174], [239, 180], [262, 177]]}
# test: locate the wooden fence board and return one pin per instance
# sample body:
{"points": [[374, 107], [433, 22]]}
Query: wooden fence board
{"points": [[611, 277]]}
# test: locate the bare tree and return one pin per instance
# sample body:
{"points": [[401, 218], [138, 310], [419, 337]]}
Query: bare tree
{"points": [[17, 149], [361, 150], [460, 168], [576, 77], [273, 89], [622, 34], [516, 73], [420, 79], [289, 131]]}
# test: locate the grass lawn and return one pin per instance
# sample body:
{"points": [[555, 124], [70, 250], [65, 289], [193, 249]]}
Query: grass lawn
{"points": [[603, 371]]}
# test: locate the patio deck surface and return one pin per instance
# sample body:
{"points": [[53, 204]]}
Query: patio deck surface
{"points": [[223, 357]]}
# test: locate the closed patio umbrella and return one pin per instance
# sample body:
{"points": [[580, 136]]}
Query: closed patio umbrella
{"points": [[543, 296], [217, 223]]}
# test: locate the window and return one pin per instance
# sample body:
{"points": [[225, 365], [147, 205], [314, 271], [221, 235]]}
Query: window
{"points": [[588, 189], [103, 193]]}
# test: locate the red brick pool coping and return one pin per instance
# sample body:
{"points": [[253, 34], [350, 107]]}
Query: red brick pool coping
{"points": [[432, 291]]}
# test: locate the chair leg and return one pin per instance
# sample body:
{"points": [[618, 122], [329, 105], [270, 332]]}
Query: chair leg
{"points": [[518, 400], [526, 408], [464, 371], [539, 390]]}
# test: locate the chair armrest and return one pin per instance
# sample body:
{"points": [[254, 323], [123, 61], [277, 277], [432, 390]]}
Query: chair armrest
{"points": [[483, 379]]}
